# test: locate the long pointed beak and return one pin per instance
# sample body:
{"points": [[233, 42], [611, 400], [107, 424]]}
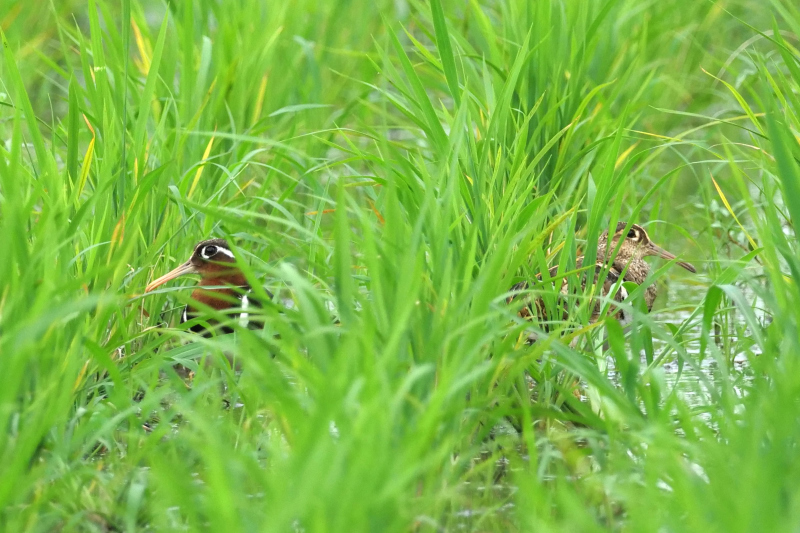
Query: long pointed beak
{"points": [[186, 268], [660, 252]]}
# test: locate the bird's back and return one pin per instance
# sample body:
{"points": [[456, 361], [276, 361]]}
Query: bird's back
{"points": [[536, 307]]}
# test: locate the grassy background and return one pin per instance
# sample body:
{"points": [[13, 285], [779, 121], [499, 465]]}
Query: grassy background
{"points": [[398, 165]]}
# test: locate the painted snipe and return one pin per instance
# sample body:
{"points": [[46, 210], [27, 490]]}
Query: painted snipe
{"points": [[222, 287], [632, 245]]}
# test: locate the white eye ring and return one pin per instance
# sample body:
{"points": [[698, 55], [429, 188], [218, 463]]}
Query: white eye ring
{"points": [[209, 251]]}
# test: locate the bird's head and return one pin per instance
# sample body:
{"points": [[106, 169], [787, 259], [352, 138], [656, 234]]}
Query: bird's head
{"points": [[211, 260], [635, 244]]}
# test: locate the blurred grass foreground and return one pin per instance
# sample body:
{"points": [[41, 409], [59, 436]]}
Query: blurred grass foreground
{"points": [[389, 169]]}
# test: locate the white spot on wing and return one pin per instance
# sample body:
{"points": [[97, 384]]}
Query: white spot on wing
{"points": [[244, 316], [626, 318], [184, 316]]}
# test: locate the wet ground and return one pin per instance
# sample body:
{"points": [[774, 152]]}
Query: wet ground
{"points": [[696, 381]]}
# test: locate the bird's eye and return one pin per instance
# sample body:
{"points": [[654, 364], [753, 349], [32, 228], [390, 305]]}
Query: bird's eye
{"points": [[209, 251], [632, 234]]}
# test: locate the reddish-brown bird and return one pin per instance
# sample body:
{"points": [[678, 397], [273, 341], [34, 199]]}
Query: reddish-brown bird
{"points": [[222, 286]]}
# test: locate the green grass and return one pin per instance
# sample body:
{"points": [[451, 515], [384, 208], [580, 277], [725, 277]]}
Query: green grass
{"points": [[397, 166]]}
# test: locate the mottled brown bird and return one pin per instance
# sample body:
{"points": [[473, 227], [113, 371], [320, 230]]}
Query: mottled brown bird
{"points": [[222, 286], [628, 263]]}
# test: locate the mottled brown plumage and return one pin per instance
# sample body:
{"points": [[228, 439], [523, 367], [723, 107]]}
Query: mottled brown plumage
{"points": [[622, 255]]}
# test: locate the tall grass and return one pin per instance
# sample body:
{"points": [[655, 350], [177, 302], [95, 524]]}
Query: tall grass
{"points": [[392, 168]]}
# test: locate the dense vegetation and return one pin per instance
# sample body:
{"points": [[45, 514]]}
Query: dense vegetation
{"points": [[392, 168]]}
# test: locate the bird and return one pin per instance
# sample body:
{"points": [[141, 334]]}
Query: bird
{"points": [[631, 245], [222, 287]]}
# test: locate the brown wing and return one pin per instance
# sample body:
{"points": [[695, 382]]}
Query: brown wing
{"points": [[536, 308], [526, 311], [611, 279], [533, 307]]}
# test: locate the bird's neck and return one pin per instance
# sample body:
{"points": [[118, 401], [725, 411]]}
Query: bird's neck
{"points": [[224, 279], [637, 268], [226, 290]]}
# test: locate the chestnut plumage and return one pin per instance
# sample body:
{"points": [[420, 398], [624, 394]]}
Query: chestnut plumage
{"points": [[222, 286]]}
